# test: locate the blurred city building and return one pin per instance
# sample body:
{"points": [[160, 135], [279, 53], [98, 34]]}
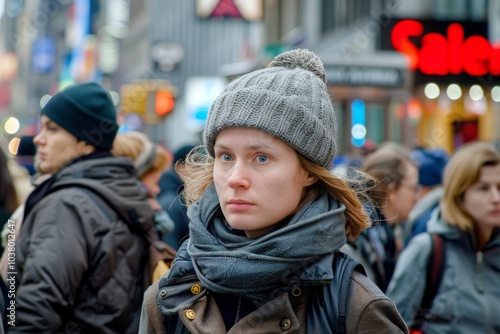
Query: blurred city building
{"points": [[423, 73]]}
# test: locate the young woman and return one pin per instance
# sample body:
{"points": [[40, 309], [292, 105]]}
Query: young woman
{"points": [[82, 246], [267, 217], [468, 221], [394, 195]]}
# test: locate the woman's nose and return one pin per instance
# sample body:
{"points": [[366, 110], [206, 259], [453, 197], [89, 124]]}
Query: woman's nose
{"points": [[495, 194], [238, 176]]}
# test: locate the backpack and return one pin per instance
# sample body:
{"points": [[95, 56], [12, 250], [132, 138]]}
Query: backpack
{"points": [[435, 270], [160, 254]]}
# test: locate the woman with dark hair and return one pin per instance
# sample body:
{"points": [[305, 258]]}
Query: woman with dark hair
{"points": [[8, 204], [8, 194]]}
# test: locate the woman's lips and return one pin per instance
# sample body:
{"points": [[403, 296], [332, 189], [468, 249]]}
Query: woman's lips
{"points": [[239, 205]]}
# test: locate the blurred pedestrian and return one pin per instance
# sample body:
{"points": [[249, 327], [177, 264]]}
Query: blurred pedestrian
{"points": [[431, 164], [468, 222], [26, 152], [393, 196], [8, 193], [267, 218], [81, 251], [171, 200], [17, 219], [21, 179], [150, 161], [8, 203]]}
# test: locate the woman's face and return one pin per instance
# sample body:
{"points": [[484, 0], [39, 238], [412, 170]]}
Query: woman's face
{"points": [[258, 179], [482, 199], [56, 146], [403, 198]]}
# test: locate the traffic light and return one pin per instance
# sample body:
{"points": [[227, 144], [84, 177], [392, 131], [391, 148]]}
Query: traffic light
{"points": [[150, 99], [164, 102]]}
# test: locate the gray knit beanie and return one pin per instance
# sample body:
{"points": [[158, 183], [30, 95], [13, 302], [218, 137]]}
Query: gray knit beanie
{"points": [[288, 99]]}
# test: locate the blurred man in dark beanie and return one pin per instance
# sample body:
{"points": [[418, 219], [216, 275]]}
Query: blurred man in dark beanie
{"points": [[81, 250]]}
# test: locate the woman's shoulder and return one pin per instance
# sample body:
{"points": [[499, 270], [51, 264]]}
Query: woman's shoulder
{"points": [[369, 307], [364, 290]]}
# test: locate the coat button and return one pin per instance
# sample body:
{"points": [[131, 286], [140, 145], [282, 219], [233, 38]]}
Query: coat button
{"points": [[285, 324], [163, 294], [190, 314], [195, 289]]}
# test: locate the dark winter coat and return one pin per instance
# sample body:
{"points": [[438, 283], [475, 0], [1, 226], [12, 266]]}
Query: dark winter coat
{"points": [[79, 264]]}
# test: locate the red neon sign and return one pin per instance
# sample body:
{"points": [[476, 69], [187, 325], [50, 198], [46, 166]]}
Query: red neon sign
{"points": [[450, 54]]}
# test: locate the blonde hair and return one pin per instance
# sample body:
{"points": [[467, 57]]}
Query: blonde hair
{"points": [[146, 155], [197, 173], [461, 172]]}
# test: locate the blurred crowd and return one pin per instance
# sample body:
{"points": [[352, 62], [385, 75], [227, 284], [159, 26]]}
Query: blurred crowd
{"points": [[432, 246]]}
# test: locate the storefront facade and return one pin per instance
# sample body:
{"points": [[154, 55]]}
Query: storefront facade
{"points": [[456, 92]]}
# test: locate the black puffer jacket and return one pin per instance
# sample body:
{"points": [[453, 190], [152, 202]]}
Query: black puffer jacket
{"points": [[80, 264]]}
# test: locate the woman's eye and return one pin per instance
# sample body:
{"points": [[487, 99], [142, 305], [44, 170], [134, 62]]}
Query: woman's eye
{"points": [[225, 157], [262, 158], [483, 188]]}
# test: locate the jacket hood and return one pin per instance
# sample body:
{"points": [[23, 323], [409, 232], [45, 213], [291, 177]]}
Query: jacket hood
{"points": [[437, 225], [112, 178]]}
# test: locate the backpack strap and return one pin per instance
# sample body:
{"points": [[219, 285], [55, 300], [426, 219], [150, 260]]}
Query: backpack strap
{"points": [[347, 266], [435, 270]]}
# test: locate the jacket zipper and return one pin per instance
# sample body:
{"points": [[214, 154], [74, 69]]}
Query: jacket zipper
{"points": [[238, 309], [487, 312], [479, 276]]}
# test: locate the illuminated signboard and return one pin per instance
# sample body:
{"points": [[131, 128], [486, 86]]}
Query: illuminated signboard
{"points": [[444, 50], [250, 10]]}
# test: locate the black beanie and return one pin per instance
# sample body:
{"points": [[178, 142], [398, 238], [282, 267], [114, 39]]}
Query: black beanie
{"points": [[87, 112]]}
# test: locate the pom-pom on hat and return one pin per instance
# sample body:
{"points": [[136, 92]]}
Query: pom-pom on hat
{"points": [[288, 99], [87, 112]]}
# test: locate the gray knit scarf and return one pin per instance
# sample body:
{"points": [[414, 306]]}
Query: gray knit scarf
{"points": [[226, 261]]}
